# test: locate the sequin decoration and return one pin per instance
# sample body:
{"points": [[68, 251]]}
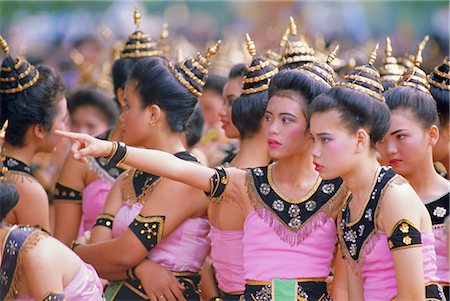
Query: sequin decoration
{"points": [[352, 249], [328, 188], [368, 214], [302, 293], [293, 211], [265, 294], [295, 222], [439, 211], [361, 230], [264, 188], [258, 172], [278, 205], [3, 277], [350, 235], [310, 205]]}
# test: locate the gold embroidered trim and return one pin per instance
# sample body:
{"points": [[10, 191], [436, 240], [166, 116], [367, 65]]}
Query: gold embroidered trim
{"points": [[129, 191], [286, 198], [29, 243], [356, 265]]}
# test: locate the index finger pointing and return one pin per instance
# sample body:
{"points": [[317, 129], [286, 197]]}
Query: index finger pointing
{"points": [[70, 135]]}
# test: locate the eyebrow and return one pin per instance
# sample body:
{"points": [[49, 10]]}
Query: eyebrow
{"points": [[397, 131], [289, 114]]}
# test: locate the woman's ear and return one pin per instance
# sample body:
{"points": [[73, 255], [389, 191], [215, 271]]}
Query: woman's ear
{"points": [[153, 114], [39, 131], [120, 98], [362, 139], [433, 135]]}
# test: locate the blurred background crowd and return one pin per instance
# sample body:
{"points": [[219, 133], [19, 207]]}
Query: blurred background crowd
{"points": [[81, 40]]}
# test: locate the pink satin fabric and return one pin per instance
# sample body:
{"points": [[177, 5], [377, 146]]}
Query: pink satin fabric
{"points": [[378, 267], [184, 250], [227, 259], [266, 256]]}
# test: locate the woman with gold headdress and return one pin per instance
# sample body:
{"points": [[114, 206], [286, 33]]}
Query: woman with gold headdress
{"points": [[384, 230], [408, 147], [289, 229], [82, 189], [439, 81], [31, 263], [143, 216], [33, 102], [227, 217]]}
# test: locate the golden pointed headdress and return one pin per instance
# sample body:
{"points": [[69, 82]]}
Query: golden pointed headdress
{"points": [[16, 74], [365, 79], [416, 77], [163, 45], [297, 51], [440, 77], [192, 73], [258, 73], [322, 72], [139, 44], [391, 70]]}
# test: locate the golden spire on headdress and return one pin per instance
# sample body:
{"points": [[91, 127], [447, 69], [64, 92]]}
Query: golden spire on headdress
{"points": [[212, 50], [418, 59], [165, 32], [250, 45], [4, 45], [390, 71], [320, 71], [365, 78], [373, 55], [292, 27], [137, 15], [414, 76], [332, 55], [284, 39]]}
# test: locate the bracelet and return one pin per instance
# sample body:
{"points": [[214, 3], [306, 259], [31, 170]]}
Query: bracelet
{"points": [[131, 273], [113, 150], [119, 153], [105, 220], [74, 245]]}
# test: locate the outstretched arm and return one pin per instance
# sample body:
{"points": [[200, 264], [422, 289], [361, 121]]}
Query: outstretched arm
{"points": [[152, 161]]}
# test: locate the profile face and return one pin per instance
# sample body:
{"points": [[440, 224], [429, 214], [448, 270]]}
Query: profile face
{"points": [[59, 123], [334, 144], [231, 91], [406, 144], [285, 127], [210, 102], [135, 126], [441, 149], [88, 120]]}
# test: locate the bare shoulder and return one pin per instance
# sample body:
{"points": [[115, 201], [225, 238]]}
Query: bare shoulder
{"points": [[30, 191], [400, 201]]}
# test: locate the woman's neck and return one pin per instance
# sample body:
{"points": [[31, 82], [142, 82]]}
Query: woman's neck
{"points": [[167, 142], [116, 132], [360, 179], [21, 153], [252, 152], [295, 169], [426, 181]]}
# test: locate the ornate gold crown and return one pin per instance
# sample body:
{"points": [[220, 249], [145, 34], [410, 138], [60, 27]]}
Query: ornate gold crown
{"points": [[322, 72], [296, 49], [440, 77], [258, 73], [391, 70], [139, 44], [416, 77], [192, 73], [16, 74], [359, 80]]}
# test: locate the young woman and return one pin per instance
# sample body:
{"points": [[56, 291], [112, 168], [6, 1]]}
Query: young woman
{"points": [[440, 87], [143, 216], [227, 217], [231, 91], [287, 206], [408, 147], [384, 229], [32, 100], [31, 263], [82, 188]]}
